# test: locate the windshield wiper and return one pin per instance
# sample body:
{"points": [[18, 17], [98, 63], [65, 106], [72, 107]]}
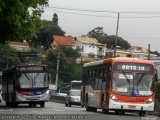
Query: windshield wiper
{"points": [[36, 76], [140, 79], [26, 76], [126, 78]]}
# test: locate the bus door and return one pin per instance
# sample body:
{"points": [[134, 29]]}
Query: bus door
{"points": [[157, 97], [107, 78]]}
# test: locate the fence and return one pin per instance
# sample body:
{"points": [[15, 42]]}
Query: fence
{"points": [[58, 99]]}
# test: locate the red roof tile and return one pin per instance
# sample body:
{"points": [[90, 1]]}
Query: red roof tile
{"points": [[64, 40], [19, 43]]}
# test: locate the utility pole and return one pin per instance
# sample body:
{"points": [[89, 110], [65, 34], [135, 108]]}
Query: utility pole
{"points": [[57, 70], [116, 35], [149, 51]]}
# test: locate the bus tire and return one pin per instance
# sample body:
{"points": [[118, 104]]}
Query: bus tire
{"points": [[8, 104], [66, 105], [141, 113], [94, 109], [34, 104], [69, 104], [86, 104], [42, 104], [30, 104], [104, 110]]}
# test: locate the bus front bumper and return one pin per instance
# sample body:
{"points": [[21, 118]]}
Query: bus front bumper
{"points": [[130, 106]]}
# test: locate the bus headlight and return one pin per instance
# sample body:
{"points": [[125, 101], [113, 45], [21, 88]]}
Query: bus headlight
{"points": [[115, 99], [47, 91], [150, 100]]}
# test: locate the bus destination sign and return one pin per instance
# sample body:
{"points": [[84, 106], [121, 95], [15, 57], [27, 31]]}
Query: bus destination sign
{"points": [[30, 68], [133, 67]]}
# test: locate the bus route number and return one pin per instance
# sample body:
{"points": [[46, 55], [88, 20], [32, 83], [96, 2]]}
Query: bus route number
{"points": [[133, 67]]}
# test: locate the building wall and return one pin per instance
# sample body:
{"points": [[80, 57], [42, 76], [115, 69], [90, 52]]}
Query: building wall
{"points": [[20, 48], [84, 49]]}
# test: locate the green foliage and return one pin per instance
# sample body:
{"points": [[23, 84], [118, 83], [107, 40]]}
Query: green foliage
{"points": [[102, 37], [97, 33], [8, 57], [68, 68], [20, 18], [110, 41], [45, 33], [55, 18]]}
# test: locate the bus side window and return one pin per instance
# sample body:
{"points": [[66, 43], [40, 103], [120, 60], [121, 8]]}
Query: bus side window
{"points": [[107, 78], [104, 79]]}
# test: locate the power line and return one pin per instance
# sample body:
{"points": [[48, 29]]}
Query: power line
{"points": [[141, 38], [106, 11], [105, 15]]}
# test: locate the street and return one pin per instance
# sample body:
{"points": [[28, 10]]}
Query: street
{"points": [[58, 111]]}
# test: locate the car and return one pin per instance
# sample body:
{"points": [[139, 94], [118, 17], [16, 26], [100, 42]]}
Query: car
{"points": [[73, 98], [61, 94]]}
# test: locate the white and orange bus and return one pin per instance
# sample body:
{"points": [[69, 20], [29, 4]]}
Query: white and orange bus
{"points": [[119, 84]]}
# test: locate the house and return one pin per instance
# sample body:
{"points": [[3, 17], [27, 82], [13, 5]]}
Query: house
{"points": [[119, 53], [138, 52], [68, 41], [89, 47], [19, 46]]}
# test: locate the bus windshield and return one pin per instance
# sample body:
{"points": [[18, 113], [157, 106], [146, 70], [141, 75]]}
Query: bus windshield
{"points": [[75, 93], [76, 85], [132, 84], [33, 80]]}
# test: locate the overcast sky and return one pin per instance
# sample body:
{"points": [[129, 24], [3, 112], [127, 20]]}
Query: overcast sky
{"points": [[139, 21]]}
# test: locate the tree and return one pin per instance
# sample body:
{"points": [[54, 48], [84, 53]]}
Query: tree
{"points": [[55, 18], [8, 57], [110, 41], [68, 68], [20, 18], [102, 37], [97, 33], [45, 33]]}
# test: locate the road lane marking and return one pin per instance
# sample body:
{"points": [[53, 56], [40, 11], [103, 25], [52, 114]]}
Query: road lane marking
{"points": [[6, 110], [52, 110]]}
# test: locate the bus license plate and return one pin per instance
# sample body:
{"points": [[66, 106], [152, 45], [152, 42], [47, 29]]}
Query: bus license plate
{"points": [[131, 106]]}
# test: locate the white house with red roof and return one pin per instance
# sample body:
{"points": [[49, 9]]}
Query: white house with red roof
{"points": [[90, 47], [68, 41], [19, 46]]}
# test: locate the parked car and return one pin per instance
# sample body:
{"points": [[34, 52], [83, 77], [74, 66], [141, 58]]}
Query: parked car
{"points": [[61, 94], [73, 98]]}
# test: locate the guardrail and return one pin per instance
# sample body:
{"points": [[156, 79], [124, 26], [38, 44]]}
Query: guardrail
{"points": [[58, 99]]}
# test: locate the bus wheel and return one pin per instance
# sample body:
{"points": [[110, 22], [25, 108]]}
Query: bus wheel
{"points": [[34, 104], [117, 112], [141, 113], [66, 104], [42, 104], [69, 104], [30, 104], [104, 110], [15, 104], [8, 104], [94, 109]]}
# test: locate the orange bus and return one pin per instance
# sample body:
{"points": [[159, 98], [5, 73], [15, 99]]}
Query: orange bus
{"points": [[119, 84]]}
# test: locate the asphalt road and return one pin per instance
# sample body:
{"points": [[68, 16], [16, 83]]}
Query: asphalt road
{"points": [[58, 111]]}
